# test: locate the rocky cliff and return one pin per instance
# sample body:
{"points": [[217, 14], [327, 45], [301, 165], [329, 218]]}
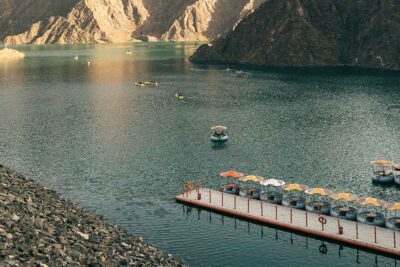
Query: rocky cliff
{"points": [[313, 33], [99, 21]]}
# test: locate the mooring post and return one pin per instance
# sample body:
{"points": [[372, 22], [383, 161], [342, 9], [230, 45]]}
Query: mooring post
{"points": [[234, 202], [262, 212], [209, 195], [306, 219], [356, 230], [276, 212], [394, 239], [248, 205], [291, 215], [375, 233], [222, 199]]}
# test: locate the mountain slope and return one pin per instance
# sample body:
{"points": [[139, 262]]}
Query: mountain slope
{"points": [[98, 21], [313, 32]]}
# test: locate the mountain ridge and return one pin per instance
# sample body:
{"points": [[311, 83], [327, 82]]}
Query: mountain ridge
{"points": [[313, 33], [110, 21]]}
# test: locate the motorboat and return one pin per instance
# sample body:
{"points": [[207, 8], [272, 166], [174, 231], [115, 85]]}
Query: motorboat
{"points": [[342, 206], [382, 171], [179, 96], [219, 133], [392, 218], [230, 189], [272, 197], [344, 212], [253, 193], [393, 223], [294, 196], [321, 207], [140, 84], [317, 200], [128, 52], [370, 211], [273, 191], [371, 218], [151, 83], [396, 173], [293, 201]]}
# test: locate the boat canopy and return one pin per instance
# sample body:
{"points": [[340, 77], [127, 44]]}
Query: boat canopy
{"points": [[344, 196], [252, 178], [273, 182], [382, 163], [219, 129], [370, 201], [318, 191], [231, 174], [393, 206], [298, 187]]}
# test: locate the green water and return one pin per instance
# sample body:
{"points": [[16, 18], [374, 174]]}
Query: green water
{"points": [[124, 152]]}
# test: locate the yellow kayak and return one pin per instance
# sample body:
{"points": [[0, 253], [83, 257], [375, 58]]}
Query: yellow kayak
{"points": [[151, 83]]}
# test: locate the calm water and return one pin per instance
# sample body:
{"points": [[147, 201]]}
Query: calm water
{"points": [[124, 152]]}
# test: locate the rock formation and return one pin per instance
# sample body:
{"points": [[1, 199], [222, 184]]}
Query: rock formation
{"points": [[106, 21], [313, 33], [7, 54]]}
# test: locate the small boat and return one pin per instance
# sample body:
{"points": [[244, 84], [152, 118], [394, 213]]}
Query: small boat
{"points": [[321, 207], [76, 57], [141, 84], [230, 189], [128, 52], [219, 134], [151, 83], [344, 212], [293, 201], [382, 171], [272, 197], [273, 191], [253, 193], [393, 223], [179, 96], [371, 218], [396, 173]]}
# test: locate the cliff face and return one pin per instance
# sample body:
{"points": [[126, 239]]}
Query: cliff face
{"points": [[313, 33], [97, 21], [207, 19]]}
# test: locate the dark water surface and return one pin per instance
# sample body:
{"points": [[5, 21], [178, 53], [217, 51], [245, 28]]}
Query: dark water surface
{"points": [[124, 152]]}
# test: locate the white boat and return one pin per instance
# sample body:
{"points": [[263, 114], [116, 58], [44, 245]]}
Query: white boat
{"points": [[219, 134], [76, 57], [382, 171]]}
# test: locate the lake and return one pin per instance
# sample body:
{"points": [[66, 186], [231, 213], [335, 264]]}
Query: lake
{"points": [[124, 152]]}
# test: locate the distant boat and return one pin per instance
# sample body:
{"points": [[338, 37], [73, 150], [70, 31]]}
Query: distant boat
{"points": [[76, 57], [141, 84], [219, 133], [88, 63], [151, 83], [179, 96], [128, 52]]}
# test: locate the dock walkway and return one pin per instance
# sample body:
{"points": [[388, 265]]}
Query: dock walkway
{"points": [[357, 234]]}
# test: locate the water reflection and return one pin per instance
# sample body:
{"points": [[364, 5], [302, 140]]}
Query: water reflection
{"points": [[284, 238]]}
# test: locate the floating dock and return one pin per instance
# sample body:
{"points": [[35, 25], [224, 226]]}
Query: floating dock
{"points": [[361, 235]]}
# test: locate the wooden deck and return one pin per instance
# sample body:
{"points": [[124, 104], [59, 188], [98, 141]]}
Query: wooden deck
{"points": [[379, 239]]}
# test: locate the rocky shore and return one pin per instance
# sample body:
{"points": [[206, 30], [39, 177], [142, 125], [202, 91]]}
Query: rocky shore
{"points": [[40, 228]]}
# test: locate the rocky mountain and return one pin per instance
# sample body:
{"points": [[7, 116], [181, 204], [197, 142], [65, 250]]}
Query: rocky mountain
{"points": [[313, 33], [103, 21]]}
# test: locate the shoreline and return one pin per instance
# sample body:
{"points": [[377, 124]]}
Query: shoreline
{"points": [[40, 228]]}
